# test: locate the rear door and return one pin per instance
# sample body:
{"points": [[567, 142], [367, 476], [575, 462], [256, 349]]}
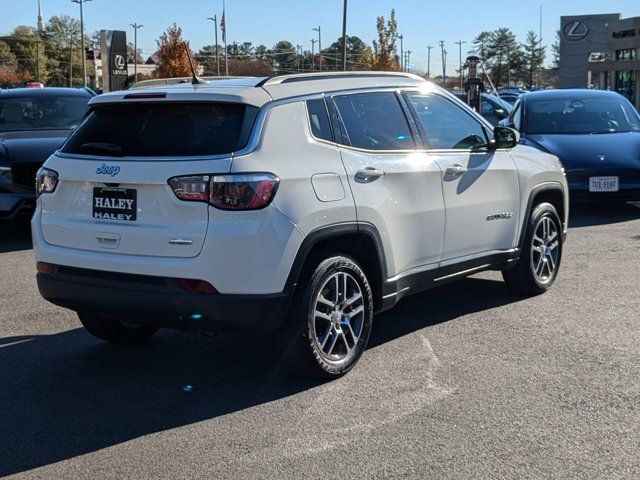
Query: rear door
{"points": [[396, 187], [481, 190], [113, 193]]}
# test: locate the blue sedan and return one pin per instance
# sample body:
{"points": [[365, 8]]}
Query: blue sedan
{"points": [[595, 133]]}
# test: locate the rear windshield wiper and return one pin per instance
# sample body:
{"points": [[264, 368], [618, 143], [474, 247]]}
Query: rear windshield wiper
{"points": [[98, 147]]}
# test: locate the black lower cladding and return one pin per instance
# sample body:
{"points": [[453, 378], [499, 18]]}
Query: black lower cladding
{"points": [[159, 301]]}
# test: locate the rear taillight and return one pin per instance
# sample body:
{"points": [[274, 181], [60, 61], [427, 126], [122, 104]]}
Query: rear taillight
{"points": [[46, 181], [250, 191]]}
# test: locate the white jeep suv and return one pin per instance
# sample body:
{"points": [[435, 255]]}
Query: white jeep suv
{"points": [[302, 203]]}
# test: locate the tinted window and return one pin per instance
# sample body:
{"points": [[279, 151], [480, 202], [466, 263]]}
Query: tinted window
{"points": [[42, 112], [374, 121], [446, 125], [492, 111], [580, 116], [163, 129], [319, 119]]}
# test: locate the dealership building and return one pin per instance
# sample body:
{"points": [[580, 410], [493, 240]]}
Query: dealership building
{"points": [[602, 52]]}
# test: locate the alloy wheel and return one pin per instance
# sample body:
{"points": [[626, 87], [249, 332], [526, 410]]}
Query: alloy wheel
{"points": [[544, 250]]}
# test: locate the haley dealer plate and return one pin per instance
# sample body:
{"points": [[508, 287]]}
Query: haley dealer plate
{"points": [[115, 203]]}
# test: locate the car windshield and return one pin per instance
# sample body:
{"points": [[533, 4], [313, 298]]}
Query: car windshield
{"points": [[55, 112], [581, 116]]}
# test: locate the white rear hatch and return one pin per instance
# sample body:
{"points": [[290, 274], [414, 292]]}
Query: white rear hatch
{"points": [[113, 193]]}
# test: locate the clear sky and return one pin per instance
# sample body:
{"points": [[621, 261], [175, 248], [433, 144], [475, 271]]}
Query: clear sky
{"points": [[422, 22]]}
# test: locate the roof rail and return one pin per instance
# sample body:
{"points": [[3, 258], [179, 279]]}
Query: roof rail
{"points": [[304, 77], [162, 82]]}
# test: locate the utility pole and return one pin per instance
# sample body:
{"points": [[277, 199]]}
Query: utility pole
{"points": [[84, 63], [313, 54], [444, 62], [429, 47], [319, 45], [223, 27], [460, 43], [298, 54], [344, 37], [401, 37], [71, 57], [135, 26], [407, 64], [214, 19]]}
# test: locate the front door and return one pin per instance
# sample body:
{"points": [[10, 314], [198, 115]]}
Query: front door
{"points": [[480, 187]]}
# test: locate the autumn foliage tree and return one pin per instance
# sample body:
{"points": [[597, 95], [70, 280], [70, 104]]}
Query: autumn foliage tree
{"points": [[171, 55], [384, 49]]}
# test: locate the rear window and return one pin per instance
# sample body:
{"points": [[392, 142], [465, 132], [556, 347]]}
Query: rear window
{"points": [[163, 129]]}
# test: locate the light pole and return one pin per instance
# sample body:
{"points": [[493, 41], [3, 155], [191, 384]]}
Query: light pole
{"points": [[460, 43], [319, 46], [313, 54], [84, 63], [214, 19], [344, 37], [401, 37], [71, 32], [429, 47], [135, 26]]}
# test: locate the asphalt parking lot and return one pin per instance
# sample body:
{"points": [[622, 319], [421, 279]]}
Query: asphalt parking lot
{"points": [[465, 381]]}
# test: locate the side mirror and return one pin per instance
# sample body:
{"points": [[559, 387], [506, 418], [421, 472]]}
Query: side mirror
{"points": [[505, 137], [499, 112]]}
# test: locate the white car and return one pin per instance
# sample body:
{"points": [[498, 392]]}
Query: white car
{"points": [[297, 204]]}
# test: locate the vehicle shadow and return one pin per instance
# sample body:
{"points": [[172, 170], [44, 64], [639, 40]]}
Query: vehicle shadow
{"points": [[589, 215], [15, 235], [67, 394]]}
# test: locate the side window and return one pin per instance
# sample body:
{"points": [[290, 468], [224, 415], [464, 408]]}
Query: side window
{"points": [[374, 121], [516, 116], [319, 119], [446, 125]]}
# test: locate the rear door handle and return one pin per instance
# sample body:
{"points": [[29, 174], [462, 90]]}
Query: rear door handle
{"points": [[455, 170], [368, 174]]}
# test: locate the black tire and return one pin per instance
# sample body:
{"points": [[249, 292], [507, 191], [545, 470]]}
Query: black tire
{"points": [[298, 337], [114, 331], [522, 278]]}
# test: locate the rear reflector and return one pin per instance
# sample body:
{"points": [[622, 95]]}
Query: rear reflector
{"points": [[45, 267], [133, 96], [196, 286]]}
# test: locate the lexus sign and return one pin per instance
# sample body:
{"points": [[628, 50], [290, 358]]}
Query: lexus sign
{"points": [[113, 45], [575, 30]]}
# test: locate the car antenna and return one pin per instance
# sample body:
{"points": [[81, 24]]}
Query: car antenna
{"points": [[195, 80]]}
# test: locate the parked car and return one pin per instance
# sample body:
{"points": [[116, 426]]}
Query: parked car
{"points": [[596, 135], [509, 97], [298, 204], [34, 122], [492, 108]]}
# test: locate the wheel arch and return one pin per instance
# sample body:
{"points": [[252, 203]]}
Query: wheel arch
{"points": [[552, 193], [358, 240]]}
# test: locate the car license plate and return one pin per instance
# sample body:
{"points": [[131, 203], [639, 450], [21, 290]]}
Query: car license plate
{"points": [[603, 184], [115, 203]]}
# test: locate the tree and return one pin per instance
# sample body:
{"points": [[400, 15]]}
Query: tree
{"points": [[9, 75], [62, 44], [355, 48], [384, 49], [500, 49], [285, 57], [479, 44], [134, 56], [172, 57], [534, 53], [555, 51]]}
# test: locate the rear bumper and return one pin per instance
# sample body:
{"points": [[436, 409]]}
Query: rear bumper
{"points": [[159, 301]]}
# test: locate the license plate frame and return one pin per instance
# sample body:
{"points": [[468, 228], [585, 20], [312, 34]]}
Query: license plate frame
{"points": [[114, 203], [604, 184]]}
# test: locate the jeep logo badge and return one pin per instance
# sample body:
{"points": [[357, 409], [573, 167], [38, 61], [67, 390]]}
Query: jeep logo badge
{"points": [[105, 169], [575, 30]]}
